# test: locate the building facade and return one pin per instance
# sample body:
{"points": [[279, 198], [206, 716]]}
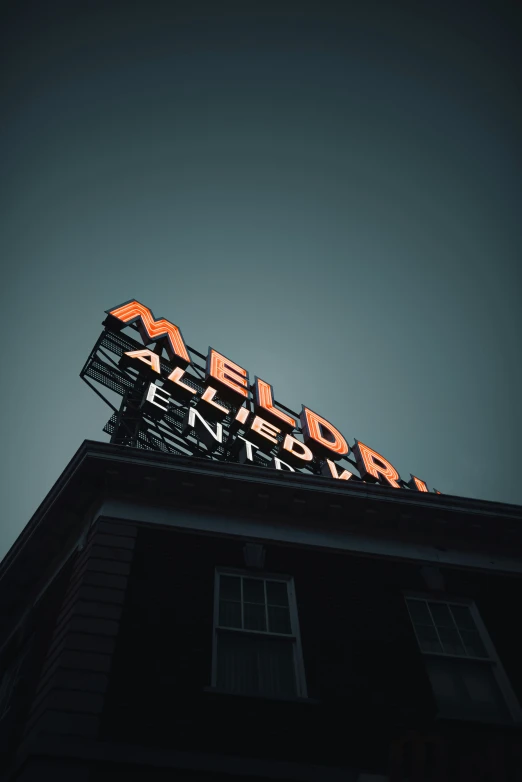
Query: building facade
{"points": [[170, 617]]}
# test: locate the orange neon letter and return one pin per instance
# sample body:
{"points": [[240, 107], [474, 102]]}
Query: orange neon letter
{"points": [[265, 429], [417, 484], [321, 431], [175, 377], [242, 415], [148, 357], [373, 466], [264, 398], [152, 330], [227, 372], [297, 449], [209, 395]]}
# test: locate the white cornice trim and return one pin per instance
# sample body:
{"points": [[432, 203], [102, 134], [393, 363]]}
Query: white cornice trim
{"points": [[291, 531]]}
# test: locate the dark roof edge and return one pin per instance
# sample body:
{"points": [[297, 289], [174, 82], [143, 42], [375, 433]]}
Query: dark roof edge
{"points": [[46, 504], [100, 450], [301, 480]]}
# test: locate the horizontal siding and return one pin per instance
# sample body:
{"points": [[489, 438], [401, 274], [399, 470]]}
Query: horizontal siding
{"points": [[104, 580], [74, 679], [88, 642], [106, 565]]}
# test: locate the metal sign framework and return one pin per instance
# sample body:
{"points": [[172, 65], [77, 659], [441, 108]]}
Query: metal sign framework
{"points": [[130, 425]]}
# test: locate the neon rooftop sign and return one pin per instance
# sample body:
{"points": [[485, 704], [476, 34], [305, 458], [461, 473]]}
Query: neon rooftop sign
{"points": [[175, 404]]}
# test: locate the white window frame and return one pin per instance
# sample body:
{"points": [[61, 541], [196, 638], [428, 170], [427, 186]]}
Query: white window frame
{"points": [[492, 659], [293, 638]]}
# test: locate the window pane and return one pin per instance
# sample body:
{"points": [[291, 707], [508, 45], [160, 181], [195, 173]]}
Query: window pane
{"points": [[441, 614], [279, 620], [237, 667], [466, 689], [428, 640], [229, 614], [230, 588], [255, 665], [451, 641], [463, 618], [253, 590], [483, 691], [254, 616], [445, 684], [473, 643], [277, 593], [276, 667], [419, 612]]}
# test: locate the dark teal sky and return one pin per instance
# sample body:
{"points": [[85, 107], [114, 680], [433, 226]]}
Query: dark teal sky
{"points": [[329, 197]]}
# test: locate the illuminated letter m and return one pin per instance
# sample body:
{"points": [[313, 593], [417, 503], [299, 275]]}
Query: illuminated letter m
{"points": [[152, 330]]}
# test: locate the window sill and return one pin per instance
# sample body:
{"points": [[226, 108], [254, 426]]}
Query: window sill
{"points": [[276, 699]]}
